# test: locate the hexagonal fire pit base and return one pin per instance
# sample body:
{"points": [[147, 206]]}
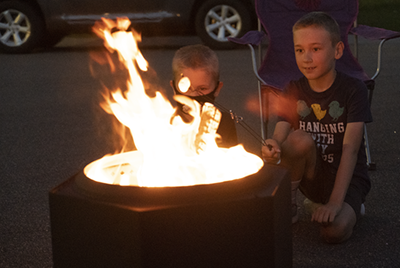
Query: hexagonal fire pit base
{"points": [[241, 223]]}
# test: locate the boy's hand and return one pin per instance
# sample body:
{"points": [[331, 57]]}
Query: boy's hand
{"points": [[326, 214], [271, 152]]}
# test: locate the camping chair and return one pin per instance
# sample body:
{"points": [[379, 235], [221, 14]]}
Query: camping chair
{"points": [[279, 67]]}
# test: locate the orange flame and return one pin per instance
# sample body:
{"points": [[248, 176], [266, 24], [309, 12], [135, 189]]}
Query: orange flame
{"points": [[169, 152]]}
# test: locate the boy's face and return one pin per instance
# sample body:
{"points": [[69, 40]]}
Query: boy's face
{"points": [[316, 56], [201, 83]]}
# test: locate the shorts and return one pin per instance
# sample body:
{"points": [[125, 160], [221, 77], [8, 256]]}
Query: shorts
{"points": [[320, 187]]}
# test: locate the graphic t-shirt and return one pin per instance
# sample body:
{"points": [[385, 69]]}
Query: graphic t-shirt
{"points": [[324, 115]]}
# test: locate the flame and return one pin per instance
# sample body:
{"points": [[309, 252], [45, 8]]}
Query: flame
{"points": [[169, 152]]}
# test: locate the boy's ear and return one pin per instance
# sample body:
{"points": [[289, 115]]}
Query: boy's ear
{"points": [[339, 50], [220, 85]]}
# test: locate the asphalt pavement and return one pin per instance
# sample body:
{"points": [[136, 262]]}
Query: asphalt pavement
{"points": [[51, 127]]}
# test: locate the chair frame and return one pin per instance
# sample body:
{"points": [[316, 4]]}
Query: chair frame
{"points": [[254, 39]]}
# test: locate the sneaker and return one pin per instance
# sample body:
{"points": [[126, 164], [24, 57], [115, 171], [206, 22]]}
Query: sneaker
{"points": [[310, 206], [295, 214]]}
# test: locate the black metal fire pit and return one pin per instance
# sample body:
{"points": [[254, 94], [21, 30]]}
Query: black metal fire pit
{"points": [[240, 223]]}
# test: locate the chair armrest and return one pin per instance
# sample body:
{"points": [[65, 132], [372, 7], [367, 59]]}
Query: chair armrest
{"points": [[253, 38], [374, 33]]}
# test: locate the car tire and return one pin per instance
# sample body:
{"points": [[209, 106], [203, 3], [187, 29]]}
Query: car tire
{"points": [[21, 27], [216, 20]]}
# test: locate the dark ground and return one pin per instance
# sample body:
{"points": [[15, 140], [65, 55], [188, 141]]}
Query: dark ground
{"points": [[51, 127]]}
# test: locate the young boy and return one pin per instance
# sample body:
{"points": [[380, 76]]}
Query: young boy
{"points": [[200, 64], [324, 150]]}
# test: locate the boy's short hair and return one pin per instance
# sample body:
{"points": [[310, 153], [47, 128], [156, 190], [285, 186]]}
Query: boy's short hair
{"points": [[195, 57], [320, 19]]}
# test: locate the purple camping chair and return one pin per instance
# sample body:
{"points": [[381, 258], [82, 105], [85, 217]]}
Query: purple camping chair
{"points": [[279, 67]]}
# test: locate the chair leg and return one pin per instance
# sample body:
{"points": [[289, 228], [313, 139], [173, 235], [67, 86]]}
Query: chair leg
{"points": [[371, 165], [263, 115]]}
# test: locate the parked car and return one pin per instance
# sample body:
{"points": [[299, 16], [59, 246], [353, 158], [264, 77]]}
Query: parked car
{"points": [[28, 24]]}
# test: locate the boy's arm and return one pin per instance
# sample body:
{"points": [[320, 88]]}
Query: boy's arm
{"points": [[351, 145], [281, 132]]}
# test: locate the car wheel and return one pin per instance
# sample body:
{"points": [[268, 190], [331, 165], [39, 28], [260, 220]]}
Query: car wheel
{"points": [[216, 20], [21, 27]]}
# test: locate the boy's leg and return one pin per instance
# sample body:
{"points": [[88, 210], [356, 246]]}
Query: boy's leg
{"points": [[342, 227], [319, 191], [298, 156]]}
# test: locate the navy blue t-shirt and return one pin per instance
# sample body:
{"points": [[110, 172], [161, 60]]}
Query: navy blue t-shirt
{"points": [[325, 115]]}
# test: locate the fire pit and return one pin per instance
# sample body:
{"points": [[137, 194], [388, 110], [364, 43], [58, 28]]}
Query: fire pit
{"points": [[239, 223], [178, 200]]}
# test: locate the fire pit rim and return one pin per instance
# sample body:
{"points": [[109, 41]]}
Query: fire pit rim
{"points": [[172, 195]]}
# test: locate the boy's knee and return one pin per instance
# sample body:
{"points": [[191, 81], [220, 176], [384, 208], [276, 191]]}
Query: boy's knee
{"points": [[335, 234], [301, 140], [342, 227]]}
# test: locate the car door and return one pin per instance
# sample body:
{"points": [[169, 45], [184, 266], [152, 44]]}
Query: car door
{"points": [[79, 12]]}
